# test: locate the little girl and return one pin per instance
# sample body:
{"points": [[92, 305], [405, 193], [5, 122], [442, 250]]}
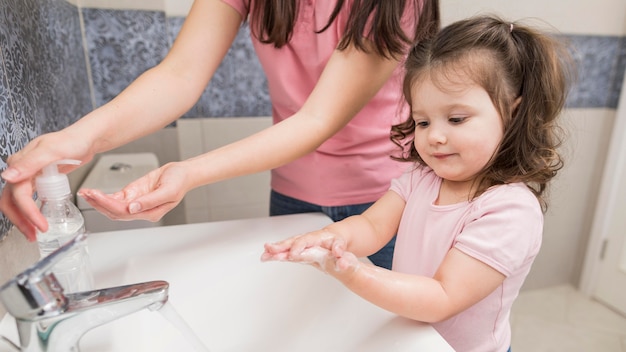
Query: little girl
{"points": [[484, 96]]}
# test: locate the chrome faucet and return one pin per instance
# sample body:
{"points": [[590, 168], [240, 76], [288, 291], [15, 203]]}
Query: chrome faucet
{"points": [[49, 320]]}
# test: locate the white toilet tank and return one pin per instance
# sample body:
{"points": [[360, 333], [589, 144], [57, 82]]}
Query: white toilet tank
{"points": [[110, 174]]}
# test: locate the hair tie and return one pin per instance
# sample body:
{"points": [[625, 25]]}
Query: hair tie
{"points": [[511, 28]]}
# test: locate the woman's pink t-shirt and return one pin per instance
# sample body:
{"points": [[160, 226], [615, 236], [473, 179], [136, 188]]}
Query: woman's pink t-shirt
{"points": [[354, 165], [502, 228]]}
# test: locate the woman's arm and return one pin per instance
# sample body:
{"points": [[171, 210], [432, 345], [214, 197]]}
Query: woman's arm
{"points": [[349, 80], [165, 92], [153, 100]]}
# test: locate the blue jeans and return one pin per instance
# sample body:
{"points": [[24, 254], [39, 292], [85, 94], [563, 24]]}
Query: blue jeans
{"points": [[281, 204]]}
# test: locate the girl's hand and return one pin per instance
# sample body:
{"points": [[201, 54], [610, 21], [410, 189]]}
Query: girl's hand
{"points": [[147, 198], [321, 249], [292, 248]]}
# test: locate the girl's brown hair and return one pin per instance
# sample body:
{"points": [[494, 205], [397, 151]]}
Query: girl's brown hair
{"points": [[526, 74], [272, 22]]}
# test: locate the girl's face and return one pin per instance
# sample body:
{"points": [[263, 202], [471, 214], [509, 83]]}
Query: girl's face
{"points": [[458, 129]]}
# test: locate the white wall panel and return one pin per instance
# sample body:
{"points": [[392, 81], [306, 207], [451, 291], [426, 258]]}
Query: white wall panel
{"points": [[602, 17]]}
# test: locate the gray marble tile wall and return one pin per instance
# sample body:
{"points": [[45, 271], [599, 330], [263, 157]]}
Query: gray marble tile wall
{"points": [[601, 64], [43, 73], [123, 44], [239, 87]]}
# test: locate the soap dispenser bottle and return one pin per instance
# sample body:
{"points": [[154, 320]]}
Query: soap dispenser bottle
{"points": [[64, 223]]}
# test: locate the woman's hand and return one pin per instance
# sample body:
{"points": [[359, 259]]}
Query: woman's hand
{"points": [[147, 198], [17, 202], [151, 102]]}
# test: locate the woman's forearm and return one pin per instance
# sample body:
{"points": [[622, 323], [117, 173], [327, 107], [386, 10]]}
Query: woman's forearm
{"points": [[167, 91], [152, 101], [342, 90], [267, 149]]}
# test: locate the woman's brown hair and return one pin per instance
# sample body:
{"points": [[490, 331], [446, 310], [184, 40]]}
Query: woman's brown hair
{"points": [[272, 22], [526, 73]]}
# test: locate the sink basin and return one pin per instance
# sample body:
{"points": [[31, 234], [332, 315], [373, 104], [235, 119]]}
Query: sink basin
{"points": [[234, 302]]}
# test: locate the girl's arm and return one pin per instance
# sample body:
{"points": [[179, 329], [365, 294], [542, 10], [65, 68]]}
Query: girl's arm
{"points": [[460, 282], [365, 234], [360, 235]]}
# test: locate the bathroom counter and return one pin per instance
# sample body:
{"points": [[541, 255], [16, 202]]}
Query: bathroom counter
{"points": [[233, 301]]}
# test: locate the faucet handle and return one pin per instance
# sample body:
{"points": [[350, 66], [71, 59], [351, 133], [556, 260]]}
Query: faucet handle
{"points": [[36, 292]]}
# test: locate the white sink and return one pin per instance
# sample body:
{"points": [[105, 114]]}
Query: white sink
{"points": [[233, 301]]}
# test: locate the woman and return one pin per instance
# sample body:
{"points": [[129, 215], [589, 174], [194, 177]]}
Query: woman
{"points": [[334, 76]]}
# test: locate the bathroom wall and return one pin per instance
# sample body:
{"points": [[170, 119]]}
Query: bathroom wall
{"points": [[43, 87]]}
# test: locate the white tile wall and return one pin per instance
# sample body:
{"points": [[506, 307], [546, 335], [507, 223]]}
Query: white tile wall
{"points": [[177, 7], [148, 5], [572, 198], [171, 7], [602, 17], [241, 197]]}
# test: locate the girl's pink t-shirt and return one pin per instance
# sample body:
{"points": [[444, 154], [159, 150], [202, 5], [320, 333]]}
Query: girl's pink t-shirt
{"points": [[354, 165], [502, 228]]}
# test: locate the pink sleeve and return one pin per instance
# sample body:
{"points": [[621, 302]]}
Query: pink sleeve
{"points": [[507, 229], [411, 179], [402, 185]]}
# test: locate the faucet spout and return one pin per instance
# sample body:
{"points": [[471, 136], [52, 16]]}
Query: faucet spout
{"points": [[85, 311], [50, 321]]}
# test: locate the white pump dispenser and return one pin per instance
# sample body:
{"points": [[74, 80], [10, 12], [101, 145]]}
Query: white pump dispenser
{"points": [[64, 223], [53, 185]]}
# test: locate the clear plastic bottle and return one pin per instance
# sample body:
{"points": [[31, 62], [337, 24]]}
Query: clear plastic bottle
{"points": [[64, 223]]}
